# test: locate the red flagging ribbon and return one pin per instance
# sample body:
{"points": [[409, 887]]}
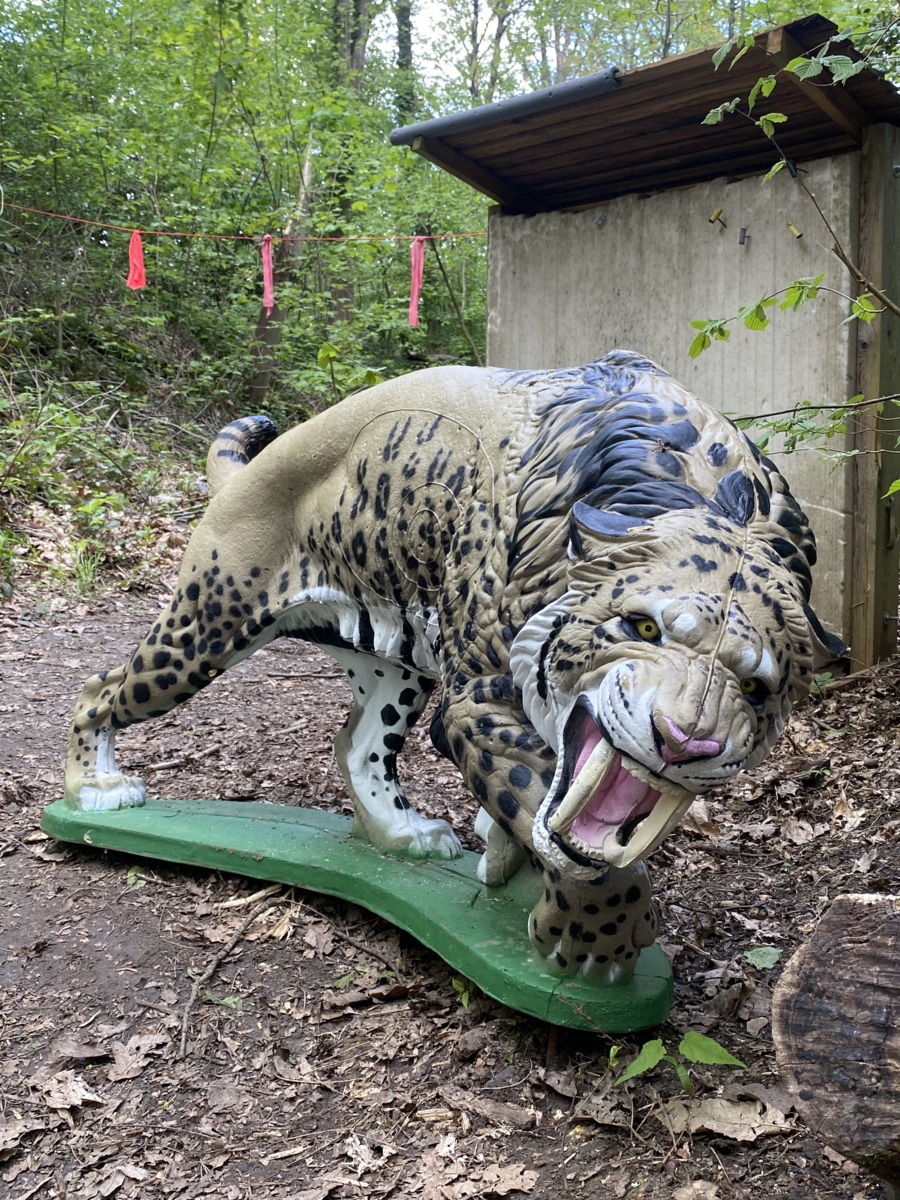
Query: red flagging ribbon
{"points": [[268, 278], [417, 259], [136, 276]]}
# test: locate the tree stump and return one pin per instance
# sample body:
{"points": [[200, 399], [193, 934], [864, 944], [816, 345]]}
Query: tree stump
{"points": [[836, 1024]]}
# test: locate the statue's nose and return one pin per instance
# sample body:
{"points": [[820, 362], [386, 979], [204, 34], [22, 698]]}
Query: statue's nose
{"points": [[676, 746]]}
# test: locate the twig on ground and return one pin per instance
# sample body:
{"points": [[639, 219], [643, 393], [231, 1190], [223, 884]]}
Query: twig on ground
{"points": [[345, 937], [214, 965], [180, 759], [243, 901]]}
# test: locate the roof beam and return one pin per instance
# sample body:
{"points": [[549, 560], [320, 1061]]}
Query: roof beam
{"points": [[436, 151], [833, 98]]}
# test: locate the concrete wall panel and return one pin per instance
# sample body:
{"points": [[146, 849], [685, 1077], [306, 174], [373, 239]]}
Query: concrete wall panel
{"points": [[564, 288]]}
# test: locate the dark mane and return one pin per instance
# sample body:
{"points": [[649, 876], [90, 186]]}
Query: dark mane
{"points": [[608, 437]]}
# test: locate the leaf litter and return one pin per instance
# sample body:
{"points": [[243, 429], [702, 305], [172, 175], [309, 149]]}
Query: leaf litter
{"points": [[328, 1054]]}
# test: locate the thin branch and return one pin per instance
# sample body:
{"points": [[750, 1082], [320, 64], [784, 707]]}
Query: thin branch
{"points": [[838, 250], [214, 965], [459, 315], [345, 937], [811, 408]]}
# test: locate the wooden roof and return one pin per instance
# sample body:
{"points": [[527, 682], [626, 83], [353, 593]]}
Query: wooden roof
{"points": [[614, 133]]}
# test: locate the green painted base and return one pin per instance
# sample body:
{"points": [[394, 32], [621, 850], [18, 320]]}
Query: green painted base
{"points": [[481, 932]]}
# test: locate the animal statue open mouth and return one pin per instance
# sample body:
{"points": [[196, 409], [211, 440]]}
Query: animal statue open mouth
{"points": [[606, 807]]}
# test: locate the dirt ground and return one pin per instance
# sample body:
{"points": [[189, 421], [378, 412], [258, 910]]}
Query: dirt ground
{"points": [[327, 1055]]}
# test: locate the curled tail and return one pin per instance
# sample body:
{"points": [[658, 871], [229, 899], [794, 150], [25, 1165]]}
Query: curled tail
{"points": [[234, 446]]}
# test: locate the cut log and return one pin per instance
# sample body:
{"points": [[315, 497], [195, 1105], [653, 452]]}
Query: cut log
{"points": [[836, 1025]]}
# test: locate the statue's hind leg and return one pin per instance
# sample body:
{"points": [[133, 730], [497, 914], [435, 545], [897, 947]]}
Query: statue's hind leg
{"points": [[388, 699], [219, 614], [169, 666]]}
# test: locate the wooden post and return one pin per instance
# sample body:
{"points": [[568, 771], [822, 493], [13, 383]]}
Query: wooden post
{"points": [[836, 1026], [876, 545]]}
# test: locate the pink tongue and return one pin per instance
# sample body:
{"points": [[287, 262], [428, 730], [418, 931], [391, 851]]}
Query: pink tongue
{"points": [[591, 741], [621, 798]]}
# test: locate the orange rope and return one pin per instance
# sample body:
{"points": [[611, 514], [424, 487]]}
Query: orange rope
{"points": [[244, 237]]}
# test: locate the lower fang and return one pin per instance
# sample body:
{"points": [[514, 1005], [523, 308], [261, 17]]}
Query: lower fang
{"points": [[584, 785]]}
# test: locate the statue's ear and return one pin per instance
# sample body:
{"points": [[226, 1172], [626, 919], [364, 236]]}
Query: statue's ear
{"points": [[589, 525], [828, 648]]}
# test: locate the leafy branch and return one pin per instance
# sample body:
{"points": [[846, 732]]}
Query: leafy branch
{"points": [[754, 317], [805, 67]]}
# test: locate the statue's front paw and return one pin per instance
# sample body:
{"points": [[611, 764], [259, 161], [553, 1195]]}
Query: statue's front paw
{"points": [[412, 836], [110, 792], [502, 856], [434, 839], [596, 930]]}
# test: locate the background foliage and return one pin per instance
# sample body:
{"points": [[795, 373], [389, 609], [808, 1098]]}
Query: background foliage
{"points": [[246, 117]]}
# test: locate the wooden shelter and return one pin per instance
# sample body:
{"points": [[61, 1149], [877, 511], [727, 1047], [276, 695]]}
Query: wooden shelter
{"points": [[622, 217]]}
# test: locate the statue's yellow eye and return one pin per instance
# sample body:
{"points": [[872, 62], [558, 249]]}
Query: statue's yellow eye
{"points": [[749, 687], [647, 629]]}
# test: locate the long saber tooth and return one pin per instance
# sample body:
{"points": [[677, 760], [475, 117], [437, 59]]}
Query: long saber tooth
{"points": [[666, 814], [584, 784]]}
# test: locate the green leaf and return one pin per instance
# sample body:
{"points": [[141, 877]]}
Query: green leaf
{"points": [[224, 1001], [754, 315], [774, 169], [842, 67], [864, 309], [652, 1053], [756, 319], [463, 989], [698, 1048], [327, 353], [748, 42], [892, 490], [715, 115], [134, 879], [722, 53], [714, 328], [804, 68], [800, 291], [763, 86], [768, 122], [762, 957]]}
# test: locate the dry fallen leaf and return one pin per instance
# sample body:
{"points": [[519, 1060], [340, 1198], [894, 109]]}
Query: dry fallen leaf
{"points": [[499, 1111], [13, 1130], [66, 1090], [698, 820], [133, 1056], [697, 1189], [70, 1047], [741, 1120], [863, 864], [801, 832], [361, 1155], [494, 1180]]}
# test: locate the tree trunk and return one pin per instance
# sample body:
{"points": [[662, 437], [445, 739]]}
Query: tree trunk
{"points": [[406, 80], [836, 1024], [284, 262], [352, 19]]}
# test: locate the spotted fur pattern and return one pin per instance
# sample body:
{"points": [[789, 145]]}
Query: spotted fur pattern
{"points": [[608, 582]]}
